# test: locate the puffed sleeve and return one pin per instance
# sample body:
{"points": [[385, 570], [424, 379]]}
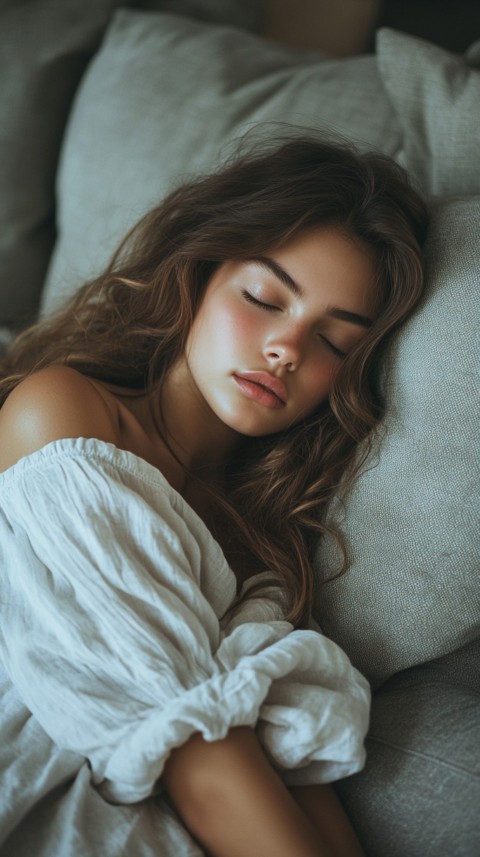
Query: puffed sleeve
{"points": [[113, 598], [316, 713]]}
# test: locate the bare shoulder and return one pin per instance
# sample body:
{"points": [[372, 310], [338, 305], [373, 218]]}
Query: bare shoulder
{"points": [[53, 403]]}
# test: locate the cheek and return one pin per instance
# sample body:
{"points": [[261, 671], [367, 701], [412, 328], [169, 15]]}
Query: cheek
{"points": [[235, 327], [318, 380], [221, 329]]}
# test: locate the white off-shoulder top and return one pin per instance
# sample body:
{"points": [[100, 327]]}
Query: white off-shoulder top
{"points": [[122, 633]]}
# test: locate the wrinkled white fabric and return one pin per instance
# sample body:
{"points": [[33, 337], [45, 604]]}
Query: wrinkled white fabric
{"points": [[122, 634]]}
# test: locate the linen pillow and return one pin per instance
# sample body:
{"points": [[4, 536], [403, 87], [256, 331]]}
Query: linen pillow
{"points": [[45, 46], [436, 96], [412, 592], [163, 99]]}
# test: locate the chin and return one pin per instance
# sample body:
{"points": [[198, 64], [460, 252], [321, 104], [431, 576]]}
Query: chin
{"points": [[246, 427], [257, 430]]}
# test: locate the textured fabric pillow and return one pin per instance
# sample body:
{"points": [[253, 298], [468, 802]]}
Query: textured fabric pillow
{"points": [[45, 46], [162, 100], [436, 96], [412, 592]]}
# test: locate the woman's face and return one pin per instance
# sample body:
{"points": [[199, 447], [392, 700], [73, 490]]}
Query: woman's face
{"points": [[271, 332]]}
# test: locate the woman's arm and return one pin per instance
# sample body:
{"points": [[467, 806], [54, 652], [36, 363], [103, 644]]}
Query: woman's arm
{"points": [[226, 791], [322, 806], [234, 803]]}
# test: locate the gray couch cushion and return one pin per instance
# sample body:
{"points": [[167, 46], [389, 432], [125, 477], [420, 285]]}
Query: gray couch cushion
{"points": [[419, 793], [436, 95], [412, 520], [44, 48], [161, 101]]}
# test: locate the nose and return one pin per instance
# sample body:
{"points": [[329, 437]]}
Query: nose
{"points": [[284, 349]]}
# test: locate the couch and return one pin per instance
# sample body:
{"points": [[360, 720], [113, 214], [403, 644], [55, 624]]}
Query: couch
{"points": [[105, 107]]}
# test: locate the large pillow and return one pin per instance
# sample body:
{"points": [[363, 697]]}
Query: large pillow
{"points": [[412, 521], [161, 101], [436, 96], [45, 46]]}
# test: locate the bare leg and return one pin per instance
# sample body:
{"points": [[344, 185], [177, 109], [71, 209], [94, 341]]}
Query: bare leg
{"points": [[235, 804]]}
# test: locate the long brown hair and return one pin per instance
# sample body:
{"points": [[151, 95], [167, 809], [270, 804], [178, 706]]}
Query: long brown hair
{"points": [[130, 324]]}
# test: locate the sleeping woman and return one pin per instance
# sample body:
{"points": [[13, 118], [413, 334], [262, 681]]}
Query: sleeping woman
{"points": [[169, 442]]}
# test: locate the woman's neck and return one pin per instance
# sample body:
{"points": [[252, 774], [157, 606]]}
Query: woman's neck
{"points": [[198, 439], [174, 429]]}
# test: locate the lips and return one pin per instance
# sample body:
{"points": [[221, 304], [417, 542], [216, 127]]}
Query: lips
{"points": [[267, 382]]}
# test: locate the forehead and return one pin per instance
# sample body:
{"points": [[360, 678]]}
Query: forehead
{"points": [[329, 260]]}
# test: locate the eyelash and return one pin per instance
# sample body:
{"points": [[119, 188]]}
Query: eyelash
{"points": [[251, 300], [271, 308], [332, 347]]}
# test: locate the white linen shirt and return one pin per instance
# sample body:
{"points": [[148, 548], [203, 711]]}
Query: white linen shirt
{"points": [[122, 633]]}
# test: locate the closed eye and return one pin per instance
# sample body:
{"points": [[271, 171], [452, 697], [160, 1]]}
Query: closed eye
{"points": [[333, 348], [252, 300]]}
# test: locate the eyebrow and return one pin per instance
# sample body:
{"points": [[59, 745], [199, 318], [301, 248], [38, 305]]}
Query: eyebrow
{"points": [[285, 278], [280, 273]]}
